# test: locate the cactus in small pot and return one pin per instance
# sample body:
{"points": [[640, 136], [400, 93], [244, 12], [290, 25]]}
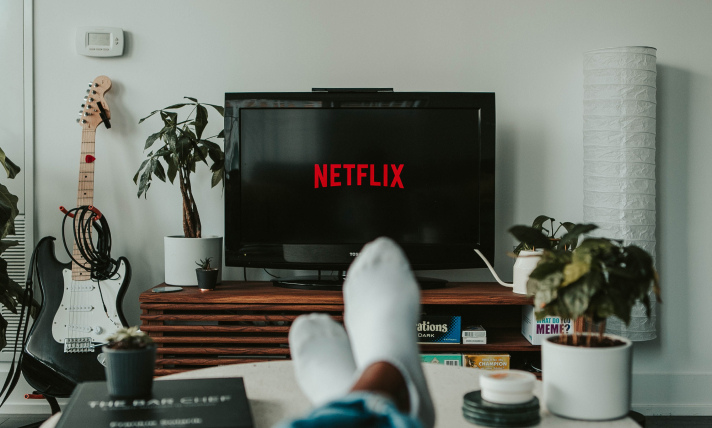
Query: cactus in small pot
{"points": [[130, 360], [207, 276]]}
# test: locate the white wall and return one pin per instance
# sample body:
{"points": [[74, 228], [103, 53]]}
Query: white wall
{"points": [[528, 53]]}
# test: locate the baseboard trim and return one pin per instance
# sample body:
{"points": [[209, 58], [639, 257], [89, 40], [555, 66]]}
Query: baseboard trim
{"points": [[679, 410], [672, 394]]}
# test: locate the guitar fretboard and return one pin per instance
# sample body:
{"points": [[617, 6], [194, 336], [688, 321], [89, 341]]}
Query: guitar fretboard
{"points": [[85, 195]]}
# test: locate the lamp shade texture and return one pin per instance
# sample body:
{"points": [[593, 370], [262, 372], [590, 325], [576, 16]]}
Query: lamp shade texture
{"points": [[619, 106]]}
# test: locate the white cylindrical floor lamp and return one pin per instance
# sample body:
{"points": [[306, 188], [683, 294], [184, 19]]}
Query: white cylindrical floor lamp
{"points": [[619, 156]]}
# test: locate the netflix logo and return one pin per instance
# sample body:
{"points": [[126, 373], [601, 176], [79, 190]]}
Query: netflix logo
{"points": [[350, 174]]}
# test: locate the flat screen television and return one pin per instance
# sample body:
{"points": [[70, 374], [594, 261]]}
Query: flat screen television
{"points": [[311, 177]]}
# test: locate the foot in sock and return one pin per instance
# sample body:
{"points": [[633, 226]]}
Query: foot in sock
{"points": [[381, 309], [323, 362]]}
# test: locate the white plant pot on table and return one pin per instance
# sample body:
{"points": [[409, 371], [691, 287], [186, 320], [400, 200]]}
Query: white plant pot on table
{"points": [[181, 253], [587, 383], [525, 264]]}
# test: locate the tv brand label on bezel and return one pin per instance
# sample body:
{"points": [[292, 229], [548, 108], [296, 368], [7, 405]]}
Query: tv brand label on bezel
{"points": [[331, 175]]}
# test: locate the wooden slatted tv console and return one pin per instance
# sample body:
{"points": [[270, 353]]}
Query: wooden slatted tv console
{"points": [[245, 322]]}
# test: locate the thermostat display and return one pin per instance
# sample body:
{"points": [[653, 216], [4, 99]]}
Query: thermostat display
{"points": [[100, 41]]}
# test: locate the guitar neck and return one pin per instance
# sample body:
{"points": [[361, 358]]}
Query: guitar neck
{"points": [[85, 194]]}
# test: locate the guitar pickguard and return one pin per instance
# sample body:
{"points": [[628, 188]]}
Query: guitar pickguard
{"points": [[81, 313]]}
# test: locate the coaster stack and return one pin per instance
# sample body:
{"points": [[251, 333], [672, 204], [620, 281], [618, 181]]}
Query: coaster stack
{"points": [[484, 413]]}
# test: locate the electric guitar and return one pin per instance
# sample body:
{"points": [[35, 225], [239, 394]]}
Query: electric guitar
{"points": [[64, 345]]}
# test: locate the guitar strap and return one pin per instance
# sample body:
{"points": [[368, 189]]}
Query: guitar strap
{"points": [[13, 375]]}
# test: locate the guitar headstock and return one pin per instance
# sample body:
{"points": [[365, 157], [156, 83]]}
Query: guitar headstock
{"points": [[95, 109]]}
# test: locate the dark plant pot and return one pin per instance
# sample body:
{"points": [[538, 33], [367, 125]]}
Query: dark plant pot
{"points": [[129, 372], [207, 278]]}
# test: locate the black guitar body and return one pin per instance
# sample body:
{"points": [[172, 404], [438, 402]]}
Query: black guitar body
{"points": [[45, 365]]}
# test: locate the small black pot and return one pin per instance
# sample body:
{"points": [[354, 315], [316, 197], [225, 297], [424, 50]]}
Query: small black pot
{"points": [[129, 372], [207, 278]]}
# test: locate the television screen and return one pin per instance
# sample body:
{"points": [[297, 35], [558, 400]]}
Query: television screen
{"points": [[308, 186]]}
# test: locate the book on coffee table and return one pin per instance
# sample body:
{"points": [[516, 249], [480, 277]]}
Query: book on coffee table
{"points": [[185, 403]]}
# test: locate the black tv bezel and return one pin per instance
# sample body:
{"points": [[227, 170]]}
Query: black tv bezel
{"points": [[340, 256]]}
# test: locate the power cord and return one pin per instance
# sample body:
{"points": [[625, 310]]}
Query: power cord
{"points": [[506, 284]]}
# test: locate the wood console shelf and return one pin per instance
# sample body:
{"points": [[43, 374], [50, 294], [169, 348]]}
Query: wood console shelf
{"points": [[245, 322]]}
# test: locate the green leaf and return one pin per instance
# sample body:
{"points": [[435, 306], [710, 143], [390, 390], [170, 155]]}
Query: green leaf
{"points": [[192, 99], [539, 221], [572, 237], [172, 168], [169, 118], [159, 171], [152, 113], [217, 177], [221, 134], [183, 149], [8, 212], [144, 184], [10, 167], [143, 164], [201, 120], [219, 109], [3, 332], [530, 236], [175, 106], [151, 139]]}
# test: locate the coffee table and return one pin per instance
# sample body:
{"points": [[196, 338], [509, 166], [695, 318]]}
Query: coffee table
{"points": [[274, 394]]}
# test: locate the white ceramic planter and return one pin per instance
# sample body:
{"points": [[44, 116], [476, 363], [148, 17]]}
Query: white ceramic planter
{"points": [[525, 264], [181, 253], [587, 383]]}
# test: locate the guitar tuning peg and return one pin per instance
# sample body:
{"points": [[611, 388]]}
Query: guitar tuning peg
{"points": [[81, 111], [96, 85], [82, 105], [78, 120], [88, 90]]}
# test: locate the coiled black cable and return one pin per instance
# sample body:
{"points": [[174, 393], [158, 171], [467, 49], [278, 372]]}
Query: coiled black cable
{"points": [[97, 258]]}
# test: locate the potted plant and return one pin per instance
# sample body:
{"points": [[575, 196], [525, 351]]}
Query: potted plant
{"points": [[207, 276], [183, 148], [587, 375], [130, 360], [533, 240], [11, 293]]}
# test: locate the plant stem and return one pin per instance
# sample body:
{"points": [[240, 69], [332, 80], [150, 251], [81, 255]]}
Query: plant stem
{"points": [[191, 218], [601, 330], [590, 332]]}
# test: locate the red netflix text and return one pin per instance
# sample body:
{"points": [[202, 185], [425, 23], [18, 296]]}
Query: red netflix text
{"points": [[351, 174]]}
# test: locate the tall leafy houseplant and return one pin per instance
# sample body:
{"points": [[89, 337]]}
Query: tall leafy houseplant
{"points": [[183, 148], [586, 375], [11, 292]]}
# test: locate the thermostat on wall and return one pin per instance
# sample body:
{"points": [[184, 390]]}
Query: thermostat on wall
{"points": [[100, 41]]}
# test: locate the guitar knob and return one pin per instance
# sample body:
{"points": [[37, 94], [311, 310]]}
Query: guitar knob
{"points": [[98, 330]]}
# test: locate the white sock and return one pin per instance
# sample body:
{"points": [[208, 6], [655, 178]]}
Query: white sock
{"points": [[321, 353], [382, 308]]}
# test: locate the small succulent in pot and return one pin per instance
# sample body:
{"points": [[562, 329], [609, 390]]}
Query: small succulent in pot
{"points": [[130, 360], [207, 276]]}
